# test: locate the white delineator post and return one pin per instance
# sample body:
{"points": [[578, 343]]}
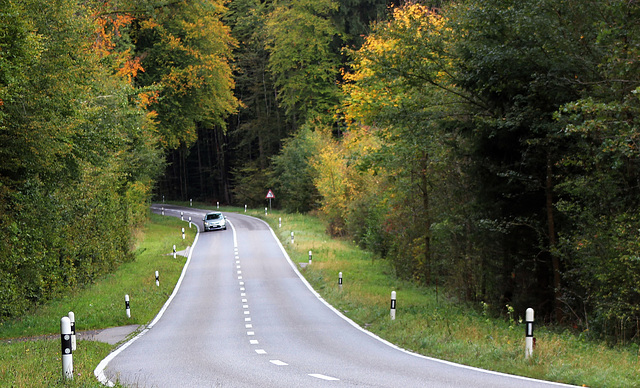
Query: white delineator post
{"points": [[174, 251], [245, 208], [183, 236], [217, 205], [191, 202], [279, 222], [126, 305], [72, 321], [265, 211], [340, 280], [163, 210], [181, 216], [157, 279], [66, 348], [291, 237], [393, 305], [528, 340], [189, 222], [310, 257]]}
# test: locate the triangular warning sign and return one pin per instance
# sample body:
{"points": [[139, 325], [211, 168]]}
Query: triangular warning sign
{"points": [[270, 194]]}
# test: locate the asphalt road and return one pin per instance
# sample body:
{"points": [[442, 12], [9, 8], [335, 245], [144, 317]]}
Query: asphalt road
{"points": [[243, 317]]}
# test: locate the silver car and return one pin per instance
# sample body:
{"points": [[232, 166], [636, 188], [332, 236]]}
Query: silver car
{"points": [[214, 220]]}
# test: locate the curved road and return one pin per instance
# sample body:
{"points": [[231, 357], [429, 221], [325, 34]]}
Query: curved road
{"points": [[243, 317]]}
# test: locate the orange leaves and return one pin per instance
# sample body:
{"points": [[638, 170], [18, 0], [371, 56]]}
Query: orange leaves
{"points": [[145, 99], [108, 26], [131, 68]]}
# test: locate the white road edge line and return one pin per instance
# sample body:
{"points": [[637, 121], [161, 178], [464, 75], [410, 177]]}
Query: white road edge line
{"points": [[352, 323], [99, 371]]}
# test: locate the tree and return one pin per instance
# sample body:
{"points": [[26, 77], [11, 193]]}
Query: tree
{"points": [[292, 174], [601, 177], [401, 91], [303, 64], [79, 155], [183, 50]]}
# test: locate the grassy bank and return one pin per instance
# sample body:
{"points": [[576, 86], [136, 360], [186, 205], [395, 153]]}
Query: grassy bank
{"points": [[437, 326], [32, 363]]}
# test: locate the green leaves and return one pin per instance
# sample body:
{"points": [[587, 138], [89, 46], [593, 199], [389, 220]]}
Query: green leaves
{"points": [[71, 187], [186, 51], [302, 60]]}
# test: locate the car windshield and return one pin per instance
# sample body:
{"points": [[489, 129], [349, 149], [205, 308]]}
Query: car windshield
{"points": [[214, 216]]}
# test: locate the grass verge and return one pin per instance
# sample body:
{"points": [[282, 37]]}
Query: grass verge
{"points": [[36, 363], [440, 327]]}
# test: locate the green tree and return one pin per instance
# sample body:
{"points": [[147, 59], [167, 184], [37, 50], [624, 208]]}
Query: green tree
{"points": [[601, 176], [292, 173], [71, 192], [304, 65]]}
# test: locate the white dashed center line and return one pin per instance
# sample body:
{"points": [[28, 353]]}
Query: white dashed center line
{"points": [[323, 377], [278, 362]]}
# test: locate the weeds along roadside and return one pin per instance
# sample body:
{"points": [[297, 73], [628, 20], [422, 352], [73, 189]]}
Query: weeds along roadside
{"points": [[437, 326], [33, 363]]}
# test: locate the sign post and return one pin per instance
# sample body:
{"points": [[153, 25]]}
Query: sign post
{"points": [[269, 197]]}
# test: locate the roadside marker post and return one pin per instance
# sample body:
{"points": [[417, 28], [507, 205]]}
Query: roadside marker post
{"points": [[66, 348], [183, 237], [245, 208], [181, 216], [291, 237], [174, 251], [529, 340], [265, 211], [163, 210], [72, 322], [393, 305], [126, 305], [191, 202], [310, 257], [279, 222], [189, 222], [217, 205], [157, 279], [340, 280]]}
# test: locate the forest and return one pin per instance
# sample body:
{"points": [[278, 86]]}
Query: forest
{"points": [[486, 148]]}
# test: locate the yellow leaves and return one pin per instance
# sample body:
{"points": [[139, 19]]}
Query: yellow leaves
{"points": [[148, 24]]}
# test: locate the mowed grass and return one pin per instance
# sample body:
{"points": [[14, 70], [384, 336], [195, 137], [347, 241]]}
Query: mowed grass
{"points": [[438, 326], [25, 362]]}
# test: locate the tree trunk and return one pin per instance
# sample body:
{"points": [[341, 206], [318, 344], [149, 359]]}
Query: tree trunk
{"points": [[555, 260]]}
